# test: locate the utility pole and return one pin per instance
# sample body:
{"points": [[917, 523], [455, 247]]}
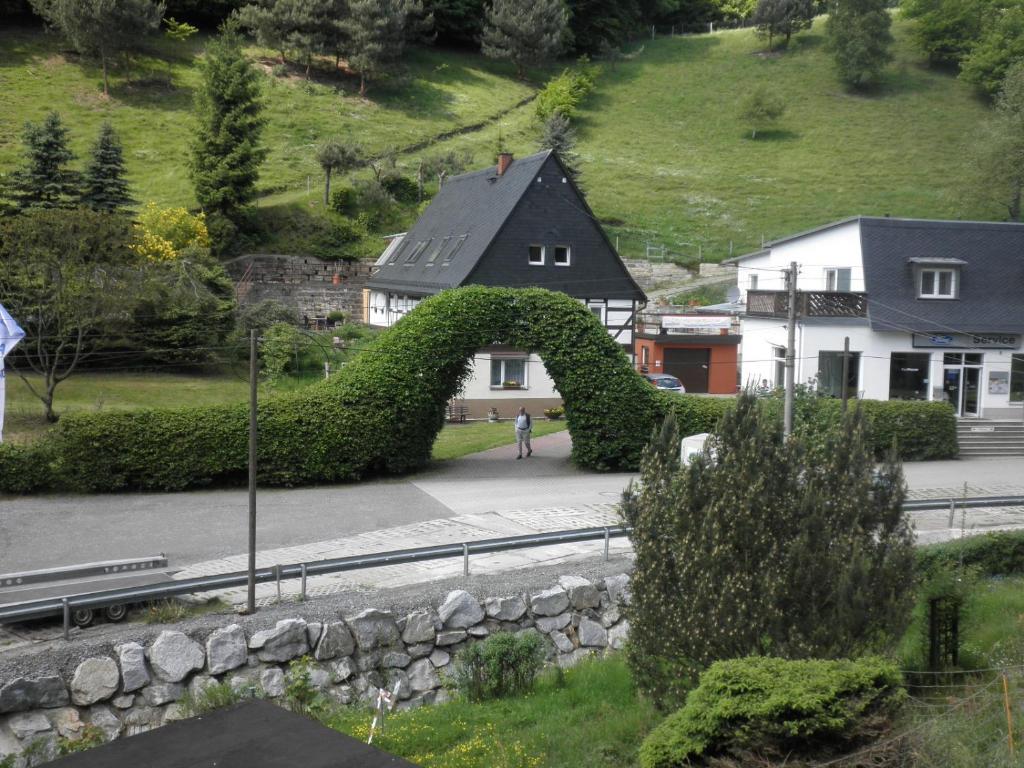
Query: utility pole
{"points": [[787, 417], [846, 371], [251, 604]]}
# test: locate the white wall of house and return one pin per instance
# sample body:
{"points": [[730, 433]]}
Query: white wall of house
{"points": [[830, 249], [480, 386]]}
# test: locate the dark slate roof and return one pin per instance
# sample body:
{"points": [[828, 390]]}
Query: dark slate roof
{"points": [[991, 293], [253, 734], [475, 205]]}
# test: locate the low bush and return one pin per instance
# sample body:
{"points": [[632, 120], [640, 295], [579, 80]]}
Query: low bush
{"points": [[344, 200], [791, 710], [25, 469], [564, 94], [1000, 553], [504, 664], [402, 188]]}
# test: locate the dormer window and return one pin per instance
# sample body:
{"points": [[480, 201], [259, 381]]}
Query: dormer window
{"points": [[937, 283]]}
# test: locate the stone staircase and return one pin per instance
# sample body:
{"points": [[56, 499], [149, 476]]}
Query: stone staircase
{"points": [[982, 437]]}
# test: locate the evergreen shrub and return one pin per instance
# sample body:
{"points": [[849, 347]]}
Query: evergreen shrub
{"points": [[504, 664], [563, 94], [1000, 553], [25, 469], [774, 708]]}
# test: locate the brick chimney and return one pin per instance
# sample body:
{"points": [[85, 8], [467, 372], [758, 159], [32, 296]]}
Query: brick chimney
{"points": [[504, 161]]}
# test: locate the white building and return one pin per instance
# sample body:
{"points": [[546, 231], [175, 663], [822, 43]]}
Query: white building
{"points": [[934, 310], [522, 223]]}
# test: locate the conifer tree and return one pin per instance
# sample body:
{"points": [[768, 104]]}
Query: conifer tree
{"points": [[44, 180], [859, 36], [104, 187], [524, 33], [226, 152], [763, 546], [558, 134], [376, 31]]}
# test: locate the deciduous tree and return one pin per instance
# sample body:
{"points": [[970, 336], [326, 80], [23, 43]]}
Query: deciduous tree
{"points": [[44, 180], [763, 546], [104, 187], [761, 109], [226, 152], [335, 156], [782, 18], [998, 151], [524, 33], [859, 37], [102, 28], [1000, 45]]}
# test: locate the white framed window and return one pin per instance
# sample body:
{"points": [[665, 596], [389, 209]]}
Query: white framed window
{"points": [[508, 372], [644, 356], [562, 253], [753, 282], [937, 284], [837, 279], [537, 255]]}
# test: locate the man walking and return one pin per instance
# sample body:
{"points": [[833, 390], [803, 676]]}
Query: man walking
{"points": [[524, 426]]}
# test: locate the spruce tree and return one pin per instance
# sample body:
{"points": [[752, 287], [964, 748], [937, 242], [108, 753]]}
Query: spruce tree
{"points": [[44, 180], [376, 31], [524, 33], [558, 134], [104, 187], [226, 152], [859, 36], [792, 548]]}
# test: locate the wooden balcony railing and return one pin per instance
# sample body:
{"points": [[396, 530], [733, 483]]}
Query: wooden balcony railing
{"points": [[808, 304]]}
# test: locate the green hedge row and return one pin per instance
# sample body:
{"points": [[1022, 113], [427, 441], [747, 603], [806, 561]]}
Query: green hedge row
{"points": [[382, 413], [776, 709], [1000, 553]]}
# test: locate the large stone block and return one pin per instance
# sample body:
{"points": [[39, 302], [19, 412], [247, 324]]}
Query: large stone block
{"points": [[551, 623], [422, 676], [286, 641], [226, 649], [24, 693], [460, 610], [582, 593], [592, 634], [273, 682], [618, 635], [549, 602], [158, 694], [174, 656], [373, 628], [618, 589], [419, 627], [134, 671], [26, 725], [94, 680], [335, 640], [101, 716], [505, 608]]}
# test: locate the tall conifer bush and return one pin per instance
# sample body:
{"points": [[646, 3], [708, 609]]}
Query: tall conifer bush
{"points": [[104, 187], [44, 180], [763, 546], [524, 33]]}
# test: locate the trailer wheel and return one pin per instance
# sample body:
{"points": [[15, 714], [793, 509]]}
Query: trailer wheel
{"points": [[116, 612], [82, 617]]}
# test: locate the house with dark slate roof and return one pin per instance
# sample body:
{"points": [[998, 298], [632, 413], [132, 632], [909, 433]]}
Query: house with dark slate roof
{"points": [[522, 223], [934, 310]]}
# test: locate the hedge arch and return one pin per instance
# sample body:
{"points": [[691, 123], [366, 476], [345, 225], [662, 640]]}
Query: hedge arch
{"points": [[382, 413]]}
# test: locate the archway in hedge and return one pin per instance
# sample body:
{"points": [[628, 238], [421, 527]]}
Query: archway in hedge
{"points": [[384, 410]]}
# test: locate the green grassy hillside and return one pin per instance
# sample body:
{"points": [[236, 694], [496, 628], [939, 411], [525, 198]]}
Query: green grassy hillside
{"points": [[665, 157], [667, 154]]}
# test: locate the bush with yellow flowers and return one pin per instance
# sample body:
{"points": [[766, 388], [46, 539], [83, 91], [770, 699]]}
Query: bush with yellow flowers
{"points": [[162, 234]]}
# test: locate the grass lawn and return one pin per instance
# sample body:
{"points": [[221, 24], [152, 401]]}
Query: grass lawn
{"points": [[458, 440], [595, 719], [665, 153]]}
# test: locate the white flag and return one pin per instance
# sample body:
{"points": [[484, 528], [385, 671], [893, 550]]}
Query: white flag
{"points": [[10, 335]]}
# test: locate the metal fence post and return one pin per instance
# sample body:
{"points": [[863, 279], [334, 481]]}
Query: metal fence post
{"points": [[67, 618], [607, 541], [277, 576], [952, 512], [465, 559], [303, 581]]}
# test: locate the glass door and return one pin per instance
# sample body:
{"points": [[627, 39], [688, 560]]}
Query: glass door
{"points": [[972, 392], [951, 386]]}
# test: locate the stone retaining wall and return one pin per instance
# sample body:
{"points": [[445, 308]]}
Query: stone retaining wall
{"points": [[138, 687]]}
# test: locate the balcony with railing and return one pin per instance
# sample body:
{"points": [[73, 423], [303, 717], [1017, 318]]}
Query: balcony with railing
{"points": [[808, 304]]}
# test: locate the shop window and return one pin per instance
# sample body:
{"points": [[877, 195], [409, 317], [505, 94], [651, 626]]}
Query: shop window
{"points": [[908, 376], [537, 255], [830, 374], [509, 372], [937, 284], [1017, 379], [837, 279]]}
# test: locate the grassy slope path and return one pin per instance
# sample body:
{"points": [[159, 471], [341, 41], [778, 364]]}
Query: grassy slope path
{"points": [[665, 151]]}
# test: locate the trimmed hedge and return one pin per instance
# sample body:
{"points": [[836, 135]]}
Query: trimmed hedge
{"points": [[777, 708], [1000, 553], [382, 412]]}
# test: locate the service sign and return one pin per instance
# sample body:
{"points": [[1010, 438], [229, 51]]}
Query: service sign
{"points": [[966, 340], [696, 321]]}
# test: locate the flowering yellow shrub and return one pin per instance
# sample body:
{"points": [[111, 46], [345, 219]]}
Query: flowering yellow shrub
{"points": [[161, 234]]}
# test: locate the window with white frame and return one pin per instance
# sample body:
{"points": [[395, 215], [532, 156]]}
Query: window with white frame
{"points": [[561, 255], [508, 372], [937, 284], [537, 255], [837, 279], [753, 282]]}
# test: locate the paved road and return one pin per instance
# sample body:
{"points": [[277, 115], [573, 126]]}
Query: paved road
{"points": [[202, 526]]}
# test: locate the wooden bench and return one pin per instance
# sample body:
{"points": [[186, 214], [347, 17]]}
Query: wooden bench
{"points": [[456, 414]]}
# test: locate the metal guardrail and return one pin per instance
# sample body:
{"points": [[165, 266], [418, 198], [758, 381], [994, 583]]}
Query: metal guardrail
{"points": [[63, 606]]}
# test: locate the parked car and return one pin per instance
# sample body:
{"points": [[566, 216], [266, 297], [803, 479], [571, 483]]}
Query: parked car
{"points": [[666, 382]]}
